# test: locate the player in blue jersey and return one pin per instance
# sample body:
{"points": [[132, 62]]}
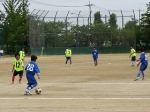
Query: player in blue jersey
{"points": [[31, 70], [144, 63], [95, 56]]}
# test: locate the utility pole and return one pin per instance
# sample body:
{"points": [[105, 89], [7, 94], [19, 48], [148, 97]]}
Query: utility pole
{"points": [[140, 15], [90, 10]]}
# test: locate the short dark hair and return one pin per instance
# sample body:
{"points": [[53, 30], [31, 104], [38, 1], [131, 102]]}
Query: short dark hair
{"points": [[33, 58], [141, 49], [17, 54]]}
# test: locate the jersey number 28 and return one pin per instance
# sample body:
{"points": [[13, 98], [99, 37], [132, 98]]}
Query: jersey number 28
{"points": [[30, 67]]}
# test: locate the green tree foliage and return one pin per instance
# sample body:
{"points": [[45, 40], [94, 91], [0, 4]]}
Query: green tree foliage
{"points": [[114, 32], [16, 22], [79, 36], [145, 25], [113, 21], [55, 34], [130, 32], [98, 18]]}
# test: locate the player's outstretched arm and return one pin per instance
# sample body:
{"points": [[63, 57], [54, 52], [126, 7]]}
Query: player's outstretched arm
{"points": [[138, 62]]}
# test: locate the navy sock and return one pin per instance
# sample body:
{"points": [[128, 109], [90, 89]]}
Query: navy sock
{"points": [[31, 86], [143, 74]]}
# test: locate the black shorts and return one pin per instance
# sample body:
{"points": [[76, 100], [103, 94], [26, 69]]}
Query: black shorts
{"points": [[18, 72], [68, 58], [133, 58]]}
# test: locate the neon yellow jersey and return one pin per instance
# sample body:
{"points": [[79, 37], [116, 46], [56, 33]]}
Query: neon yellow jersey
{"points": [[22, 54], [18, 65], [133, 52], [68, 53]]}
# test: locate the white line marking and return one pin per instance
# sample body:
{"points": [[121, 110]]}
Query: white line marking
{"points": [[75, 98], [100, 83]]}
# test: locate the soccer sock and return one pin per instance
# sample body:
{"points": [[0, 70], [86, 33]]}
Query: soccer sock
{"points": [[132, 63], [96, 62], [20, 78], [70, 62], [13, 78], [143, 74], [31, 86], [138, 75]]}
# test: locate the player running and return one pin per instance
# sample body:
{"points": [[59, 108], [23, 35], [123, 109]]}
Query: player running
{"points": [[22, 54], [68, 54], [95, 56], [31, 70], [18, 68], [133, 56], [144, 63]]}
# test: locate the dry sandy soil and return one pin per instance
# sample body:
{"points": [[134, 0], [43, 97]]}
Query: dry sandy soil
{"points": [[108, 87]]}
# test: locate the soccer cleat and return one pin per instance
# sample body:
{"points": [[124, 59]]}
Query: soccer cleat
{"points": [[136, 79], [27, 93], [132, 65], [12, 83], [20, 82]]}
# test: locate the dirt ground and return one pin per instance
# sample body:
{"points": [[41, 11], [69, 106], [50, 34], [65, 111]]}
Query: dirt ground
{"points": [[83, 87]]}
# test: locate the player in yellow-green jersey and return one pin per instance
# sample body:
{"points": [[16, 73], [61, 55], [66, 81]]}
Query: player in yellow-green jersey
{"points": [[22, 54], [68, 54], [18, 68], [132, 55]]}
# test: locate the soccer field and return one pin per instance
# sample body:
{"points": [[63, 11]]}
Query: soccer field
{"points": [[83, 87]]}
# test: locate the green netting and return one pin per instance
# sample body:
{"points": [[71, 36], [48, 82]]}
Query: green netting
{"points": [[80, 50]]}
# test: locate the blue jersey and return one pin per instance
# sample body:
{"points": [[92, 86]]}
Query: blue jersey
{"points": [[143, 58], [31, 70], [95, 53]]}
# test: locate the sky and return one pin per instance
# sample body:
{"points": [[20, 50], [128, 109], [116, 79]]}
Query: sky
{"points": [[103, 6]]}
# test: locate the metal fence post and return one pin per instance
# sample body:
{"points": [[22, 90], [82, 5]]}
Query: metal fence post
{"points": [[67, 27], [54, 29]]}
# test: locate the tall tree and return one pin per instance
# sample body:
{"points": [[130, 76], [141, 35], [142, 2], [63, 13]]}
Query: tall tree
{"points": [[113, 20], [55, 35], [98, 18], [130, 32], [16, 20], [145, 24]]}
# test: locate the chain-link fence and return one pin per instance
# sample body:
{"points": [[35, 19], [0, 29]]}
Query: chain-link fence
{"points": [[79, 29], [2, 28]]}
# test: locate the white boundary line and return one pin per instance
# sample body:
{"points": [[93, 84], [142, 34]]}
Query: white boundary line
{"points": [[75, 98], [99, 83]]}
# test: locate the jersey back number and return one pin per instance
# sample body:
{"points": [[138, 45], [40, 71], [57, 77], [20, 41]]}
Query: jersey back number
{"points": [[30, 67]]}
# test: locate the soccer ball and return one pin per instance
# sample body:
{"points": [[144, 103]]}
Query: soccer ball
{"points": [[38, 91]]}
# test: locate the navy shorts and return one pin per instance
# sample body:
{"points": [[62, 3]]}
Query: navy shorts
{"points": [[143, 67], [68, 58], [133, 58], [31, 79], [95, 58], [1, 54]]}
